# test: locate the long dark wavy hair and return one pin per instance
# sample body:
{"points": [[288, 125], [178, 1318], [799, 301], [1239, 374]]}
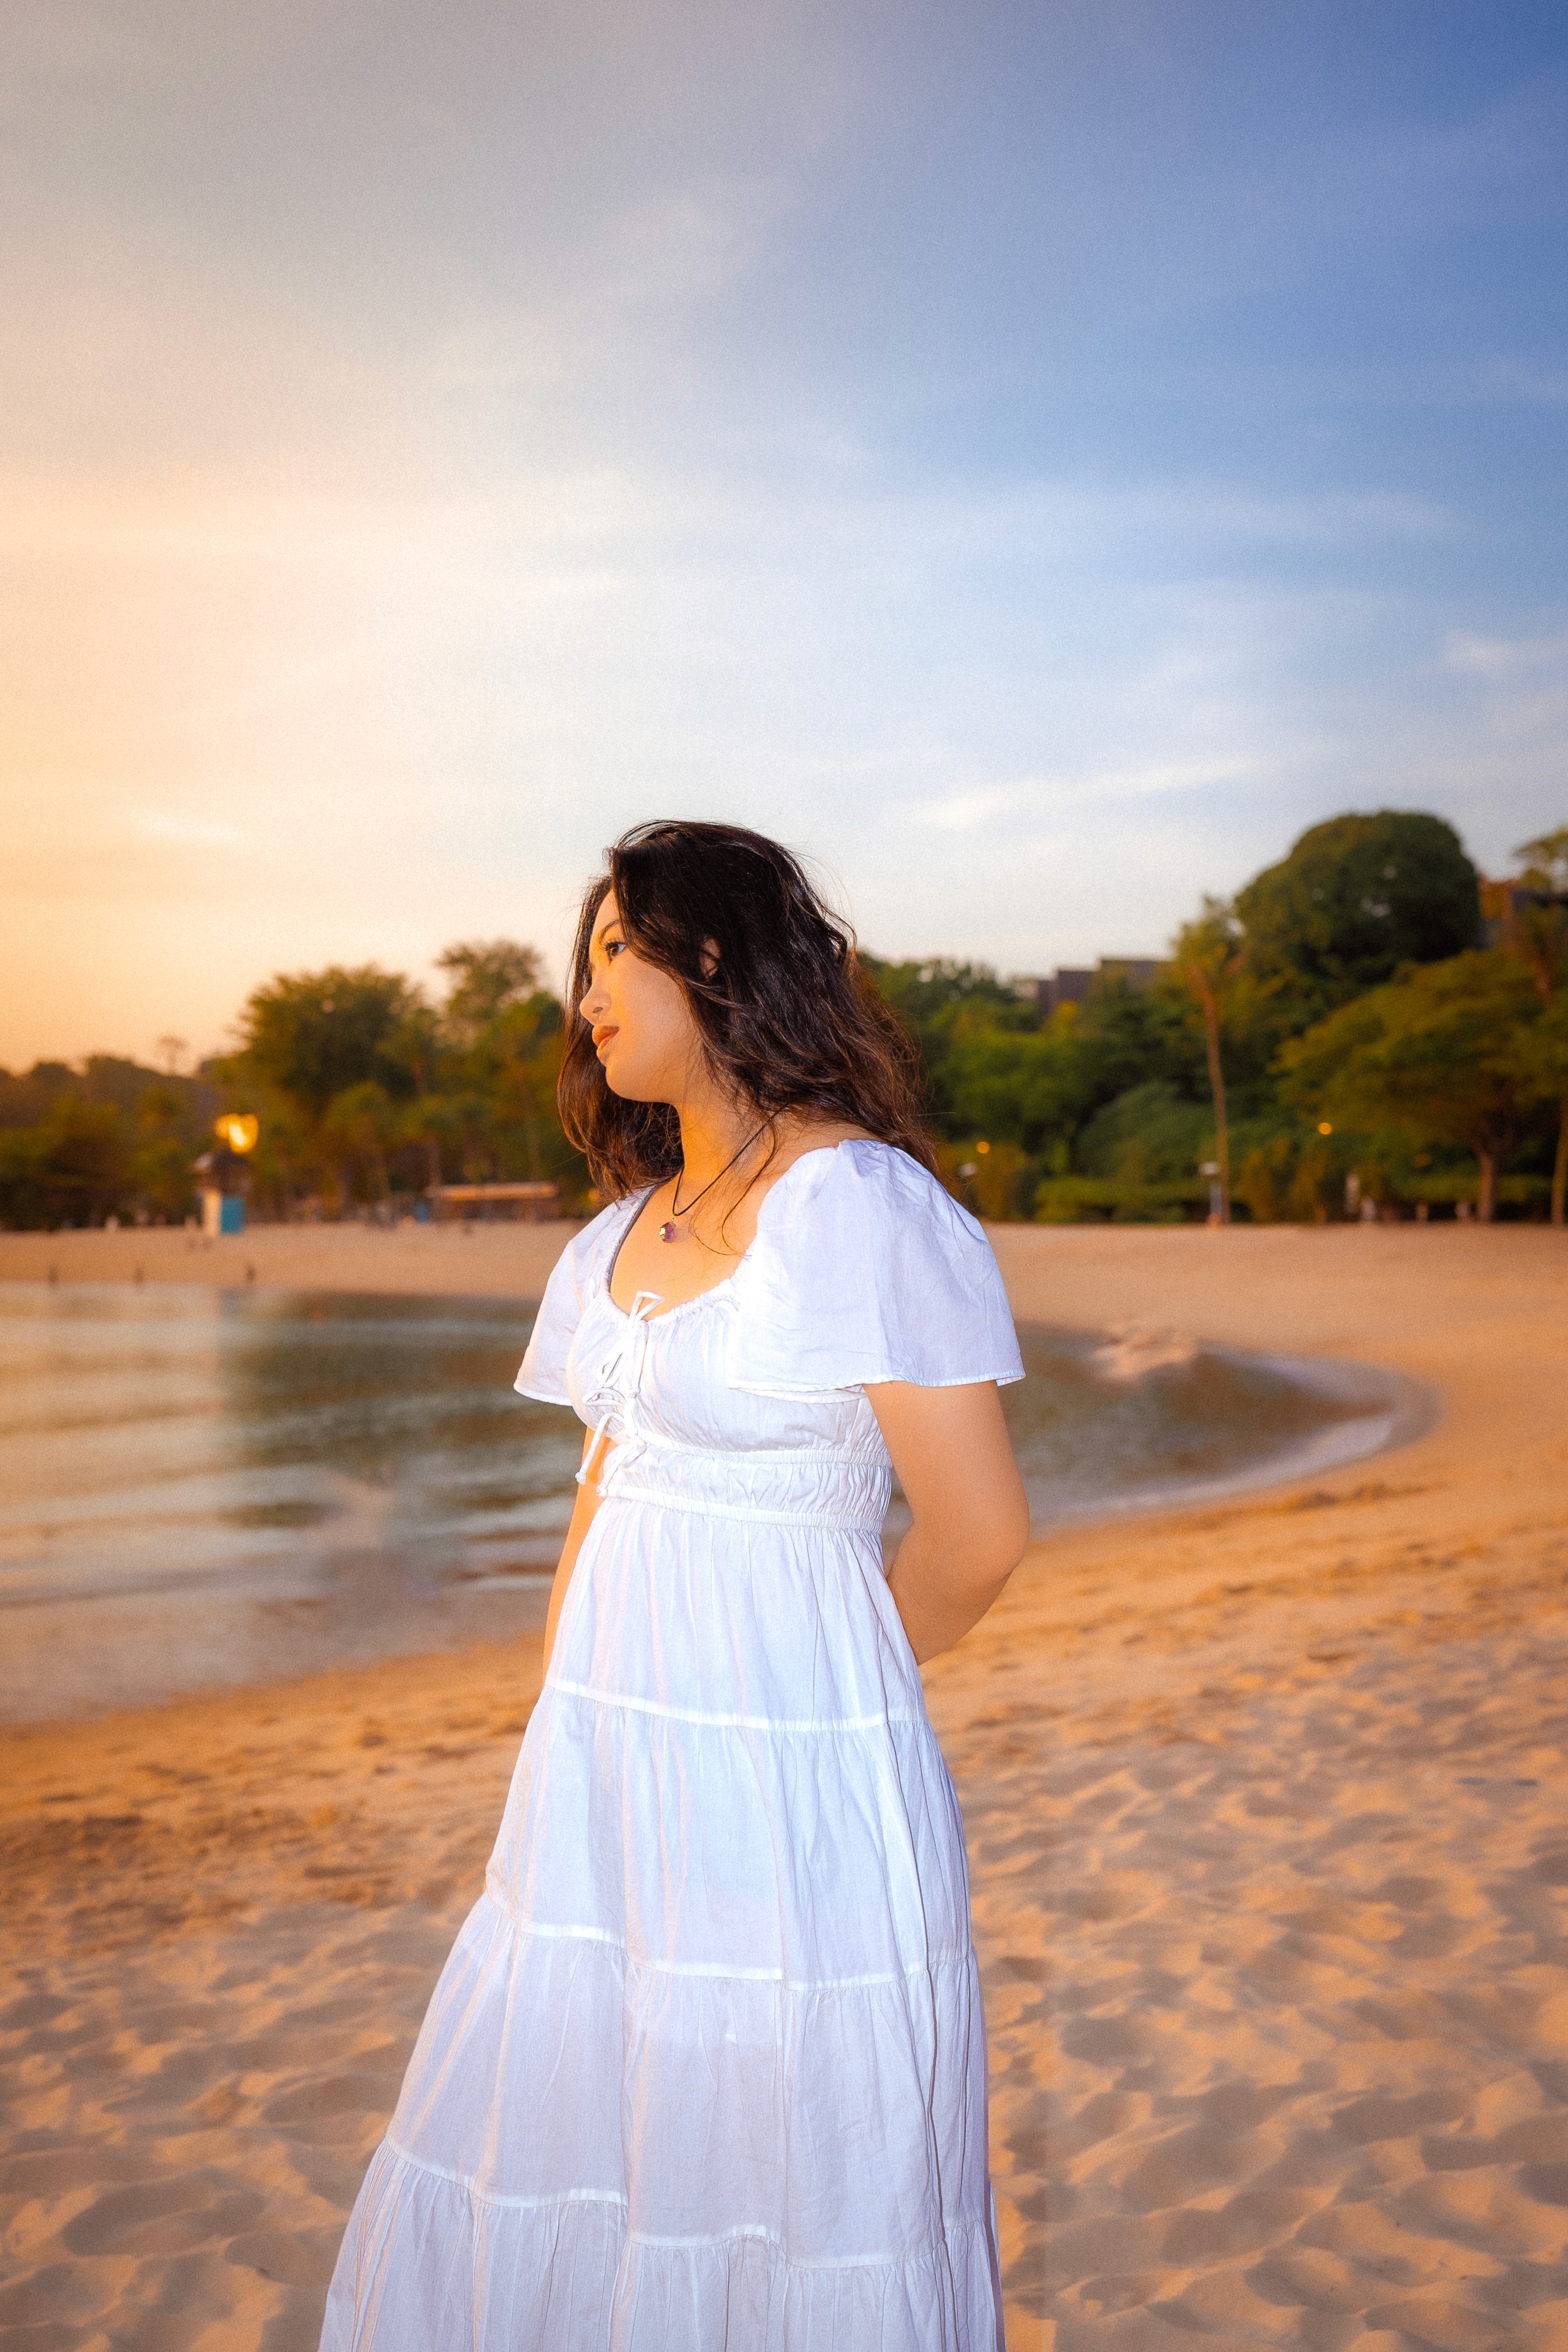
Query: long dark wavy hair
{"points": [[786, 1015]]}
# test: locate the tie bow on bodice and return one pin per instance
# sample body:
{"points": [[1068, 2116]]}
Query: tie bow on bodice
{"points": [[612, 1400]]}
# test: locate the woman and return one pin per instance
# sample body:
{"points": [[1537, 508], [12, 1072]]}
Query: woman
{"points": [[707, 2066]]}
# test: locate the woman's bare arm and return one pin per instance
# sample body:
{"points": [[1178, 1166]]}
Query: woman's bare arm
{"points": [[582, 1512], [955, 1463]]}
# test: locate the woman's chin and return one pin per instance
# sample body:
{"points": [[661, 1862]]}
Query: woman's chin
{"points": [[623, 1084]]}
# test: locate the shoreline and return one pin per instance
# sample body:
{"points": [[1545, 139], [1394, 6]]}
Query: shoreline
{"points": [[180, 1636], [1264, 1802]]}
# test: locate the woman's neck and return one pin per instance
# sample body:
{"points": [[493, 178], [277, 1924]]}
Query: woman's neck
{"points": [[715, 1127]]}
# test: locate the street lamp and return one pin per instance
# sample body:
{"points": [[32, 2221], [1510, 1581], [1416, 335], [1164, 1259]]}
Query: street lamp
{"points": [[220, 1171]]}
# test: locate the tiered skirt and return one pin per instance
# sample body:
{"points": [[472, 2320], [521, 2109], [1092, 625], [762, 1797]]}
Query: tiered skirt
{"points": [[706, 2070]]}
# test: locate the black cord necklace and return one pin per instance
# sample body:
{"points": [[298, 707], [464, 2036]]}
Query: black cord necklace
{"points": [[669, 1231]]}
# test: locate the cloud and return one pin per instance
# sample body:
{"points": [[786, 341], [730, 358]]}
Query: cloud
{"points": [[965, 812], [1526, 683], [196, 833], [433, 443], [1502, 659]]}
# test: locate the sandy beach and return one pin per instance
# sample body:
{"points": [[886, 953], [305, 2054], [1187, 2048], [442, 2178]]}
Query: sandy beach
{"points": [[1266, 1817]]}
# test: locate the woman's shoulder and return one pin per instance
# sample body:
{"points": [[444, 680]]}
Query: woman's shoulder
{"points": [[863, 1178], [593, 1246], [864, 1270], [574, 1281]]}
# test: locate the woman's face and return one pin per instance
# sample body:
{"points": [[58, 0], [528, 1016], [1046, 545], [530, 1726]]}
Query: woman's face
{"points": [[644, 1033]]}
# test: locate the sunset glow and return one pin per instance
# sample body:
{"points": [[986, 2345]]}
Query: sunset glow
{"points": [[1039, 460]]}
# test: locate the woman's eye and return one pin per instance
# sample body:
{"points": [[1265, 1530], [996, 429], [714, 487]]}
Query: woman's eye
{"points": [[612, 948]]}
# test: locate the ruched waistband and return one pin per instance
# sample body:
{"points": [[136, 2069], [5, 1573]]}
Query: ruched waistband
{"points": [[803, 1490]]}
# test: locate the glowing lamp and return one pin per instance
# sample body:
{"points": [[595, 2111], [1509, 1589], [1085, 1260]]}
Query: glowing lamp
{"points": [[1325, 1127], [237, 1129]]}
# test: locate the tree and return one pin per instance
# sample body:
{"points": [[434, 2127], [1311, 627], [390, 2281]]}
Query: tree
{"points": [[925, 995], [72, 1169], [486, 977], [494, 1115], [1356, 898], [1541, 1060], [357, 1129], [312, 1034], [942, 1004], [1436, 1055], [1138, 1036], [323, 1057], [161, 1163], [1537, 930], [1150, 1135], [1020, 1087], [1208, 956]]}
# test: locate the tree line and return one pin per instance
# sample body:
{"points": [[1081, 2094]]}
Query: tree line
{"points": [[1364, 1028], [367, 1092]]}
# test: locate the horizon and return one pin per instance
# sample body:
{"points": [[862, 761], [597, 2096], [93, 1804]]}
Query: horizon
{"points": [[193, 1063], [1037, 464]]}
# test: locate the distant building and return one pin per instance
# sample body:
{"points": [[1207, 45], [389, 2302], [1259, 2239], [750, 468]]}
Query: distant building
{"points": [[489, 1203], [1076, 983], [1502, 903]]}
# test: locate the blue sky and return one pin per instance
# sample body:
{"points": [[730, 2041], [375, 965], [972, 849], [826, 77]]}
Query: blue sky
{"points": [[1035, 459]]}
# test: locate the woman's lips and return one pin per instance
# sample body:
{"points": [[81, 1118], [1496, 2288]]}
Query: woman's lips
{"points": [[602, 1038]]}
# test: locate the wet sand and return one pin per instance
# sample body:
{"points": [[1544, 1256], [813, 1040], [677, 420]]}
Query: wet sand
{"points": [[1268, 1821]]}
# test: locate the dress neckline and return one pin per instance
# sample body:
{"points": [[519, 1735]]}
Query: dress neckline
{"points": [[738, 1268]]}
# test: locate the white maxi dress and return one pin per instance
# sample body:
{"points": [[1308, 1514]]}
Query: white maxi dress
{"points": [[705, 2071]]}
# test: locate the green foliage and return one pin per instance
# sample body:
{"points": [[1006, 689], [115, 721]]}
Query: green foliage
{"points": [[364, 1090], [1115, 1103], [1355, 899], [1538, 931], [943, 1003], [70, 1170], [1436, 1055], [1545, 862], [1538, 1053], [993, 1068], [1294, 1175], [1100, 1199], [1017, 1087], [488, 978], [927, 996], [1343, 986], [111, 1138], [1133, 1035], [311, 1036], [1147, 1136], [25, 1097], [161, 1154], [996, 1181]]}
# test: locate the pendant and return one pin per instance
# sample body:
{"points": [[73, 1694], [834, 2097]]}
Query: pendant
{"points": [[667, 1230]]}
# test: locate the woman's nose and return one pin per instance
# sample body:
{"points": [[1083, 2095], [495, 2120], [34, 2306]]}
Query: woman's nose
{"points": [[596, 1002]]}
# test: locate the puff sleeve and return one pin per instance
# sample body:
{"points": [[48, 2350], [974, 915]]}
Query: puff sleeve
{"points": [[543, 1372], [864, 1269]]}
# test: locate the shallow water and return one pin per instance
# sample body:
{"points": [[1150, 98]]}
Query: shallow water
{"points": [[201, 1485]]}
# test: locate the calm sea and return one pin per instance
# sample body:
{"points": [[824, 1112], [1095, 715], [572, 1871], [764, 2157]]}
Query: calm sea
{"points": [[203, 1486]]}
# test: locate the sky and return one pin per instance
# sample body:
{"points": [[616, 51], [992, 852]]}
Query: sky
{"points": [[1034, 459]]}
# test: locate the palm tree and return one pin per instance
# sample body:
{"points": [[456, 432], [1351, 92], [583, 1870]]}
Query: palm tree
{"points": [[1208, 956]]}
